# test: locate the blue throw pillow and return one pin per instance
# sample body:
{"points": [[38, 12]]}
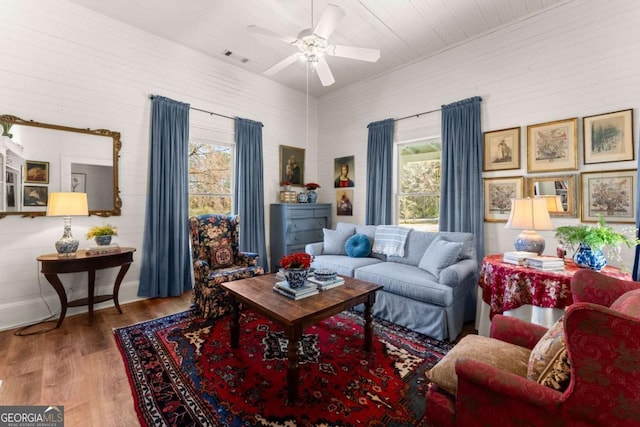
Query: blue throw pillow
{"points": [[358, 246]]}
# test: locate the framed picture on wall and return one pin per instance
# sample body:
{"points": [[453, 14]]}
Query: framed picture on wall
{"points": [[36, 172], [78, 183], [498, 193], [35, 195], [608, 137], [552, 146], [344, 202], [343, 170], [611, 194], [502, 150], [292, 166]]}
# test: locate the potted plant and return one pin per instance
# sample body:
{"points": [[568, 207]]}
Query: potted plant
{"points": [[102, 234], [312, 196], [591, 241], [287, 185], [296, 268]]}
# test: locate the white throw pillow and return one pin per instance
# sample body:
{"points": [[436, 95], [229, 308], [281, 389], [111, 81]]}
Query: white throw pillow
{"points": [[439, 255], [334, 241]]}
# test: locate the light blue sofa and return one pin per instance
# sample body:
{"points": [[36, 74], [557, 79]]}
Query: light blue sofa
{"points": [[434, 302]]}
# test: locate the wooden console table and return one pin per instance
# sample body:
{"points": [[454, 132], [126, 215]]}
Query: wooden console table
{"points": [[54, 264]]}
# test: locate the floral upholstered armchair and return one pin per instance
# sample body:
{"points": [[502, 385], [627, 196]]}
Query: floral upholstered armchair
{"points": [[588, 367], [216, 259]]}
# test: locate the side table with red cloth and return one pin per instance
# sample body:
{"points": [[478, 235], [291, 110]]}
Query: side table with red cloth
{"points": [[505, 287]]}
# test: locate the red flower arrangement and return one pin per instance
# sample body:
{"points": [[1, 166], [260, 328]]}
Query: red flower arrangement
{"points": [[312, 185], [286, 183], [296, 260]]}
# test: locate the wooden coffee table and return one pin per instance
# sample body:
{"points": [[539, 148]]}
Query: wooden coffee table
{"points": [[295, 315]]}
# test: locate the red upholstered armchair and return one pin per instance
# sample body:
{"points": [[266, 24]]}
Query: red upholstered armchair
{"points": [[217, 259], [602, 336]]}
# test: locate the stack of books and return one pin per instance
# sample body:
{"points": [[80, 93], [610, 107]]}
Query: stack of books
{"points": [[517, 257], [545, 263], [323, 285], [307, 290]]}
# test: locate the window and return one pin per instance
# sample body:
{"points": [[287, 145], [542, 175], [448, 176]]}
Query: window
{"points": [[419, 183], [210, 178]]}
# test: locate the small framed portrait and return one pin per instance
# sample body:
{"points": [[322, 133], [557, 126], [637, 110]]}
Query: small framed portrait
{"points": [[344, 202], [36, 172], [35, 195], [611, 194], [498, 193], [502, 150], [608, 137], [343, 170], [78, 182], [552, 146], [292, 166]]}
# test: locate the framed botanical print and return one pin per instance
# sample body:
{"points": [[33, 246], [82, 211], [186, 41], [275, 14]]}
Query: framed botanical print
{"points": [[611, 194], [291, 166], [552, 146], [501, 150], [608, 137], [498, 193]]}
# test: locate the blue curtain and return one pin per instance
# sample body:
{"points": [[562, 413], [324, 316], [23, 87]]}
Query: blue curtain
{"points": [[461, 199], [635, 274], [379, 172], [166, 260], [249, 191]]}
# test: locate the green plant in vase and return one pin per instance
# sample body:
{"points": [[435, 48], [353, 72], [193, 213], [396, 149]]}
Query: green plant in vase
{"points": [[102, 233], [591, 241]]}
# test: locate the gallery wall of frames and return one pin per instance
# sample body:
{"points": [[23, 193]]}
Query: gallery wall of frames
{"points": [[555, 172]]}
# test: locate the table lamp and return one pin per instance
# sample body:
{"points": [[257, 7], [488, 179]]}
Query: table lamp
{"points": [[66, 205], [529, 215], [554, 203]]}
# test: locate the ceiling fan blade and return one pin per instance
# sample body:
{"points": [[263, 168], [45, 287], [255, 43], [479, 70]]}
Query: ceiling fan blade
{"points": [[263, 31], [281, 65], [352, 52], [324, 73], [328, 21]]}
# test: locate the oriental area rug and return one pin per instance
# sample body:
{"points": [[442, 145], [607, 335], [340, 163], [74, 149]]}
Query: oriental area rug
{"points": [[183, 372]]}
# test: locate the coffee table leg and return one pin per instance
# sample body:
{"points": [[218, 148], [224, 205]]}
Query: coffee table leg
{"points": [[235, 323], [368, 322], [293, 371]]}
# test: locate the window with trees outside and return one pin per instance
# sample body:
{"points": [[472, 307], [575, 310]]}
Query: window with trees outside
{"points": [[210, 178], [419, 183]]}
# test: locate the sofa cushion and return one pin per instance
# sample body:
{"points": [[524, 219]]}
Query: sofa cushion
{"points": [[334, 241], [501, 355], [408, 281], [439, 255], [221, 256], [628, 303], [343, 265], [358, 246], [547, 350]]}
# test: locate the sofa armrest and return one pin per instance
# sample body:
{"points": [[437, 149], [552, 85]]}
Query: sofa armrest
{"points": [[247, 259], [516, 331], [590, 286], [314, 248], [490, 396], [201, 270], [460, 272]]}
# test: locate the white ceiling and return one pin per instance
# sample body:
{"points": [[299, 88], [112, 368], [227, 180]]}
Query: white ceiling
{"points": [[403, 30]]}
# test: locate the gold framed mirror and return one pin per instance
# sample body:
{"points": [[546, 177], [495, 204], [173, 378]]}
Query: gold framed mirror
{"points": [[560, 191], [39, 158]]}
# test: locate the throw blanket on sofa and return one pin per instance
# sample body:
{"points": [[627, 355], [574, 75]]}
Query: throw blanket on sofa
{"points": [[390, 240]]}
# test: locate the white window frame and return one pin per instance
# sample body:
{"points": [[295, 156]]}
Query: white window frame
{"points": [[233, 168]]}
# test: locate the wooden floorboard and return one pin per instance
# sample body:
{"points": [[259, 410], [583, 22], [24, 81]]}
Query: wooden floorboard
{"points": [[78, 366]]}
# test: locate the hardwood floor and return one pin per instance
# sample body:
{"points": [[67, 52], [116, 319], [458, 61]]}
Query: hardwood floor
{"points": [[78, 366]]}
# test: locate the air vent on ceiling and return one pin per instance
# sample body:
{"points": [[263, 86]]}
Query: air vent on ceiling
{"points": [[235, 57]]}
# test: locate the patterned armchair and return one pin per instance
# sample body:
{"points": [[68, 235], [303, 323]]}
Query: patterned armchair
{"points": [[216, 259], [601, 356]]}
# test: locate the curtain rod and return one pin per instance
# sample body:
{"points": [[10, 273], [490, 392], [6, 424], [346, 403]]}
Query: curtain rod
{"points": [[417, 115], [204, 111]]}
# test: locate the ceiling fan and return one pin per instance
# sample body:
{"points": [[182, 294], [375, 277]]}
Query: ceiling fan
{"points": [[314, 47]]}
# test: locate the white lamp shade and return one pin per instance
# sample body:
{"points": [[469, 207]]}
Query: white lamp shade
{"points": [[67, 204], [529, 214]]}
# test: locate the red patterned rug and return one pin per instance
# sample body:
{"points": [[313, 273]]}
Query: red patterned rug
{"points": [[183, 372]]}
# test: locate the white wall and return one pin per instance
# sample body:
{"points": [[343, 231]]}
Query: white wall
{"points": [[578, 59], [66, 65]]}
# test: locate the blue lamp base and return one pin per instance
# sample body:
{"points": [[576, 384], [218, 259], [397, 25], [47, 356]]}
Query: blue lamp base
{"points": [[529, 241]]}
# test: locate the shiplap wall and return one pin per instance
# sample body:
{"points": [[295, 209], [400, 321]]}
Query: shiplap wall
{"points": [[577, 59], [64, 64]]}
